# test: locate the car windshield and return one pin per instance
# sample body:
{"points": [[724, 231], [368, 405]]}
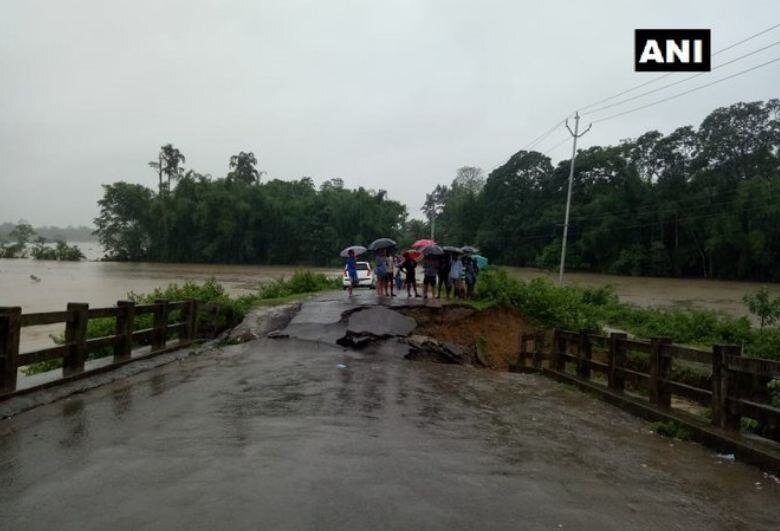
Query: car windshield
{"points": [[361, 266]]}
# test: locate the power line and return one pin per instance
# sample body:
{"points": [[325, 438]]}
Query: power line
{"points": [[730, 46], [530, 145], [557, 145], [662, 87], [674, 96], [544, 135], [659, 78]]}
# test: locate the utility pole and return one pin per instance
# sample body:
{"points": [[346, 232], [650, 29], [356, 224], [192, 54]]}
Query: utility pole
{"points": [[575, 135], [433, 224]]}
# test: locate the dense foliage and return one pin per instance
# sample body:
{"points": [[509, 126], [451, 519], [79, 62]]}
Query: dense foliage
{"points": [[697, 202], [238, 219]]}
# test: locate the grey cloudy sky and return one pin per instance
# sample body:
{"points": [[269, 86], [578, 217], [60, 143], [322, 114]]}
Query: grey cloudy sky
{"points": [[393, 95]]}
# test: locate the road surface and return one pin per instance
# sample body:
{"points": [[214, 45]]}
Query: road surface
{"points": [[298, 433]]}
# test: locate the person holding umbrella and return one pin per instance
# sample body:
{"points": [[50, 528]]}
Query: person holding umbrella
{"points": [[380, 270], [432, 255], [456, 270], [351, 270], [472, 270], [351, 253], [444, 274], [381, 248], [389, 268], [409, 266]]}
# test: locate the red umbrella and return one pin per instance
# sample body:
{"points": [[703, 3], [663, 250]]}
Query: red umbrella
{"points": [[413, 254], [423, 243]]}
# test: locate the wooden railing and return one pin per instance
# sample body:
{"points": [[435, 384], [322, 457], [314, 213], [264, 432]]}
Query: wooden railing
{"points": [[77, 346], [737, 385]]}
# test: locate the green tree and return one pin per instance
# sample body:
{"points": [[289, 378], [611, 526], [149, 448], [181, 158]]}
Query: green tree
{"points": [[123, 226], [23, 234], [243, 168], [762, 305]]}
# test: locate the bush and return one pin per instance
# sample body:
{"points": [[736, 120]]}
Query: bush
{"points": [[540, 300], [672, 429], [576, 308]]}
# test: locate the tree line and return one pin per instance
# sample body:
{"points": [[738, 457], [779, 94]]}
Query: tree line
{"points": [[698, 202], [23, 241], [239, 218]]}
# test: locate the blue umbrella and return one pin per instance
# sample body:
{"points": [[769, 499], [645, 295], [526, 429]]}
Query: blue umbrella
{"points": [[482, 262]]}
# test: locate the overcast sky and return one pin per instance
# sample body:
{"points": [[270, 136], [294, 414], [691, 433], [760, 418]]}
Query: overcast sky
{"points": [[394, 95]]}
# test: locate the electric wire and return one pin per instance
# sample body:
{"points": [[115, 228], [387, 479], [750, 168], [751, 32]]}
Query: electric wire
{"points": [[664, 76], [657, 89], [684, 93]]}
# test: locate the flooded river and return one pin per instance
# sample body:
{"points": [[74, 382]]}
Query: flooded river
{"points": [[104, 283], [657, 292]]}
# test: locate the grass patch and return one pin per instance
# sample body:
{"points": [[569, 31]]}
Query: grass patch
{"points": [[673, 430]]}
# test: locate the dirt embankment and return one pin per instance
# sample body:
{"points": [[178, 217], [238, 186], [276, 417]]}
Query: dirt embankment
{"points": [[497, 330]]}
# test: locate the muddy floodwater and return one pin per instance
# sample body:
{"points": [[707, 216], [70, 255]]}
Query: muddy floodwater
{"points": [[102, 284], [657, 292]]}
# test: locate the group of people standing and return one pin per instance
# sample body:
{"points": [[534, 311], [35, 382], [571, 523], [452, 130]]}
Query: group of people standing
{"points": [[455, 274]]}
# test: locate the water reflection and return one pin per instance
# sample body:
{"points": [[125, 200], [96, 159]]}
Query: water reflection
{"points": [[74, 422], [121, 400]]}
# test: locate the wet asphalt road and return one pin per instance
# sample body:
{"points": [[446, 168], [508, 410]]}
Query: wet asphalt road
{"points": [[275, 434]]}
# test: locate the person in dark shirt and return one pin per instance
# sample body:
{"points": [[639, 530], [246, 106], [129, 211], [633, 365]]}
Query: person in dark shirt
{"points": [[430, 267], [472, 270], [444, 275], [409, 267]]}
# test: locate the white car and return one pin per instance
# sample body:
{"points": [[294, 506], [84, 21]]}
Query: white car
{"points": [[365, 276]]}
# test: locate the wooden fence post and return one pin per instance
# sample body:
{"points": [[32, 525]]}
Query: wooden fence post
{"points": [[214, 320], [660, 370], [521, 351], [10, 326], [76, 337], [617, 361], [584, 355], [538, 353], [555, 356], [723, 388], [188, 316], [125, 325], [195, 316], [160, 324]]}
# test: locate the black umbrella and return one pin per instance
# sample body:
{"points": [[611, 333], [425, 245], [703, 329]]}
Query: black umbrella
{"points": [[357, 249], [432, 250], [452, 250], [381, 243], [468, 249]]}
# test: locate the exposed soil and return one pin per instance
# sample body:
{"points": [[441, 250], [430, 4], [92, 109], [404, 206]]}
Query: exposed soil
{"points": [[500, 330]]}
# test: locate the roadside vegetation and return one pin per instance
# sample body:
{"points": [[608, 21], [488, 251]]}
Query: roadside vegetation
{"points": [[232, 309], [576, 308]]}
